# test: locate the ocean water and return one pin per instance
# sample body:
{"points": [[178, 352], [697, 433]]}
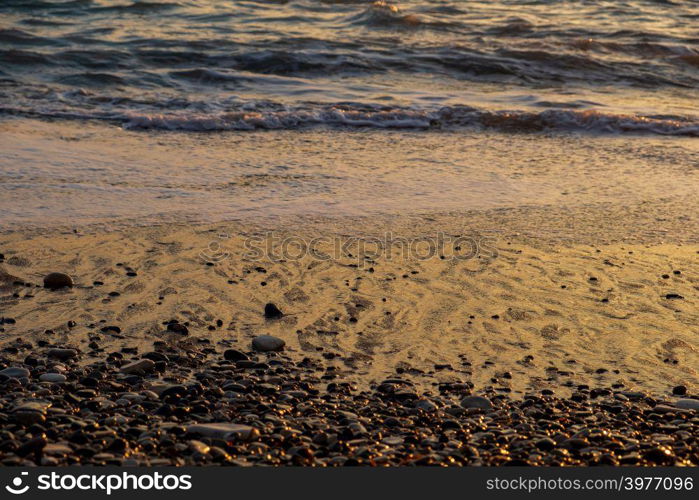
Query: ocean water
{"points": [[396, 86]]}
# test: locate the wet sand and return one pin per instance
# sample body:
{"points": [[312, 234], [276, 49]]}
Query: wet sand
{"points": [[527, 315], [525, 311]]}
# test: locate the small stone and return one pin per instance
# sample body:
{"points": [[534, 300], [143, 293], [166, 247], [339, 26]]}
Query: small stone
{"points": [[56, 281], [426, 405], [679, 390], [266, 343], [15, 372], [62, 353], [138, 367], [32, 412], [659, 455], [546, 444], [272, 311], [54, 378], [57, 450], [34, 445], [199, 447], [687, 404], [178, 328], [477, 402], [225, 431], [235, 355]]}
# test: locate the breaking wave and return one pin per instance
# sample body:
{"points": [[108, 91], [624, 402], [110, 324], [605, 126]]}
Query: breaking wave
{"points": [[272, 116]]}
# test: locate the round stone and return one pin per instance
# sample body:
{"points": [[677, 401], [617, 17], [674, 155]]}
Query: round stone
{"points": [[679, 390], [56, 281], [266, 343], [138, 367], [54, 378], [477, 402], [62, 353], [687, 404], [235, 355], [15, 372]]}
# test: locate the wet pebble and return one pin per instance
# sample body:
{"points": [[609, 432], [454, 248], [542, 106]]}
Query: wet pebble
{"points": [[56, 281]]}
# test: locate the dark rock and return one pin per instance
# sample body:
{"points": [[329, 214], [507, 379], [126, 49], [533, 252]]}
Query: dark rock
{"points": [[545, 444], [62, 354], [178, 328], [680, 390], [235, 355], [56, 281], [272, 311]]}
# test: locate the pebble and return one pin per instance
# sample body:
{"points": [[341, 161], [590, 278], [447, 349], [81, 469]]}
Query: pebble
{"points": [[56, 281], [62, 353], [29, 413], [679, 390], [178, 328], [272, 311], [55, 378], [477, 402], [139, 367], [235, 355], [687, 404], [15, 372], [265, 343], [225, 431]]}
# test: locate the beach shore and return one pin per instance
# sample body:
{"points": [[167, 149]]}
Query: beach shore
{"points": [[577, 315]]}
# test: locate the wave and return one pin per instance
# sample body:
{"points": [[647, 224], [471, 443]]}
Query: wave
{"points": [[273, 116], [385, 14], [446, 117]]}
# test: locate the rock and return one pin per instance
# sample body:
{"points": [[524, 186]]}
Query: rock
{"points": [[54, 378], [235, 355], [178, 328], [32, 412], [266, 343], [545, 444], [687, 404], [393, 440], [34, 445], [56, 281], [659, 455], [477, 402], [272, 311], [138, 367], [57, 449], [15, 372], [156, 356], [225, 431], [62, 353], [199, 447], [679, 390], [426, 405]]}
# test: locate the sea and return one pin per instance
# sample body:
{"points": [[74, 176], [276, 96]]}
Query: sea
{"points": [[203, 110]]}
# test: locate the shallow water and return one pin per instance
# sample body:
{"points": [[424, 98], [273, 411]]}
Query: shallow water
{"points": [[602, 66], [77, 173], [334, 107]]}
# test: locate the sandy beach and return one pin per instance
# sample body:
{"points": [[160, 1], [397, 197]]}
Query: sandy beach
{"points": [[514, 316], [511, 310]]}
